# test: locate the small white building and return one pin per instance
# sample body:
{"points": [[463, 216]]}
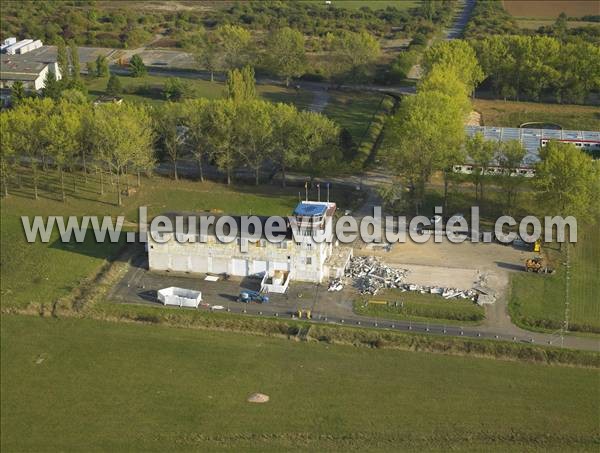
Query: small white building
{"points": [[304, 256]]}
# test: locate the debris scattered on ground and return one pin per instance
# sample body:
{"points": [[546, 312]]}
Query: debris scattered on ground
{"points": [[335, 285], [371, 275], [258, 398]]}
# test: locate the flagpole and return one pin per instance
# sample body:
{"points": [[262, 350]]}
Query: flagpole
{"points": [[319, 191], [327, 192], [306, 189]]}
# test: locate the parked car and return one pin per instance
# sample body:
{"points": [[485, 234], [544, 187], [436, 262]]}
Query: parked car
{"points": [[247, 296]]}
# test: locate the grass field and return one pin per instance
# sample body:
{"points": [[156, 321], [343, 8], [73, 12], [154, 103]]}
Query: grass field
{"points": [[534, 24], [415, 306], [512, 114], [150, 89], [351, 110], [539, 301], [43, 272], [354, 111], [71, 385], [543, 8]]}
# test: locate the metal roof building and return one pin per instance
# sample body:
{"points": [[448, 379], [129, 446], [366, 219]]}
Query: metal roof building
{"points": [[533, 139]]}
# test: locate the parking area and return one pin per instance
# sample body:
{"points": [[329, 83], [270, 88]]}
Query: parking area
{"points": [[140, 285]]}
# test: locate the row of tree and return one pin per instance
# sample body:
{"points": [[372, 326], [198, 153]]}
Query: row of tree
{"points": [[241, 131], [427, 134], [349, 55], [534, 65]]}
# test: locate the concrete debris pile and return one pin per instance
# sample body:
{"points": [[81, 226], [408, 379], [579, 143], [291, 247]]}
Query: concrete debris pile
{"points": [[446, 293], [335, 285], [371, 275]]}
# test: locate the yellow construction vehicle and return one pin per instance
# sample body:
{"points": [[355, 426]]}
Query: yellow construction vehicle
{"points": [[537, 265], [537, 246]]}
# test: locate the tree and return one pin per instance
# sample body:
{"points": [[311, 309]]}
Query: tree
{"points": [[424, 136], [352, 54], [286, 56], [240, 85], [74, 96], [91, 68], [234, 43], [17, 93], [456, 54], [25, 123], [481, 153], [561, 25], [252, 131], [318, 140], [568, 182], [287, 139], [137, 66], [63, 61], [121, 136], [206, 52], [196, 120], [174, 89], [114, 87], [52, 87], [76, 67], [101, 66], [446, 80], [510, 158], [7, 150], [61, 133], [168, 126], [221, 117]]}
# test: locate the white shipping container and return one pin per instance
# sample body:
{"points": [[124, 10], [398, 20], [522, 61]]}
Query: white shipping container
{"points": [[11, 50], [9, 41], [29, 47]]}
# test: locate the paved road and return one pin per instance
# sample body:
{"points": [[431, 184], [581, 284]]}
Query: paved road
{"points": [[140, 286]]}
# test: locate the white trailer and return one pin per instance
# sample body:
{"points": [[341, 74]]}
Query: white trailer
{"points": [[12, 49], [29, 47], [7, 42]]}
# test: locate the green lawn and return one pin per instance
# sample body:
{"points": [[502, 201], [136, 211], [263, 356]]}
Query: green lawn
{"points": [[539, 300], [512, 114], [78, 384], [353, 111], [43, 272], [415, 306]]}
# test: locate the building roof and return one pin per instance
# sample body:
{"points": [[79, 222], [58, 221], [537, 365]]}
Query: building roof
{"points": [[310, 208], [531, 138], [18, 67]]}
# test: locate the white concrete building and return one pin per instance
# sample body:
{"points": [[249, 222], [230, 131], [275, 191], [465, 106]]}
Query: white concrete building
{"points": [[306, 256], [20, 68]]}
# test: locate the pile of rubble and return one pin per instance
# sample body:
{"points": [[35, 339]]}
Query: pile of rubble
{"points": [[370, 275], [446, 293]]}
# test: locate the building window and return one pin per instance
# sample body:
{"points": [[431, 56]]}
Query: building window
{"points": [[283, 245], [308, 260]]}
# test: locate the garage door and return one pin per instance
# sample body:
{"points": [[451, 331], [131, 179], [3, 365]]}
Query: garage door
{"points": [[259, 267], [199, 264], [279, 266], [240, 267], [179, 263], [159, 262], [219, 266]]}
